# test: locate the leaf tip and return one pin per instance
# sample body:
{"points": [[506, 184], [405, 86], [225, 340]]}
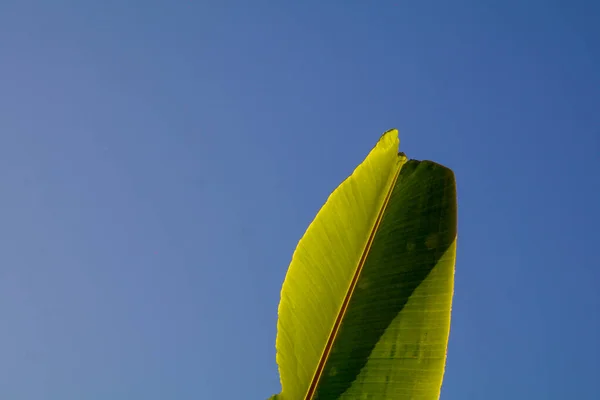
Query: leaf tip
{"points": [[391, 134]]}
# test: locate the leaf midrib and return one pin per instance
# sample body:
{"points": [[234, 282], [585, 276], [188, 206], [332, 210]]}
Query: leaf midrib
{"points": [[312, 389]]}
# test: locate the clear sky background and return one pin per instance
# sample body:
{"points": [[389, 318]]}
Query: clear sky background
{"points": [[159, 161]]}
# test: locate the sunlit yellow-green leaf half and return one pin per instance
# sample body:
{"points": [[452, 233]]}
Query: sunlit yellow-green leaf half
{"points": [[365, 305]]}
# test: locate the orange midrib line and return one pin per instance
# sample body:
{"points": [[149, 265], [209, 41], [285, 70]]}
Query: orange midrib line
{"points": [[338, 322]]}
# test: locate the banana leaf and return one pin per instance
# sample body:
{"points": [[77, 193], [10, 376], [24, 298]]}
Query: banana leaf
{"points": [[366, 302]]}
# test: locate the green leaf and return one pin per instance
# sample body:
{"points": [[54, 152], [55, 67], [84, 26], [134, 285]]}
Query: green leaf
{"points": [[365, 305]]}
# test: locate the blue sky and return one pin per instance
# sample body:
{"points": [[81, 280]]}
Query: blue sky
{"points": [[160, 160]]}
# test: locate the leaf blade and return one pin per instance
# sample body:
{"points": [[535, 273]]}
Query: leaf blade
{"points": [[327, 260]]}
